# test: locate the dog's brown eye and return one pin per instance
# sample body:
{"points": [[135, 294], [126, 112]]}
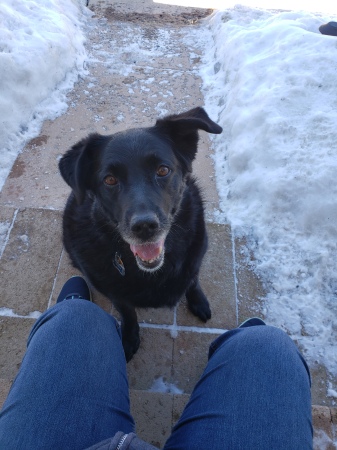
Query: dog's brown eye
{"points": [[163, 171], [110, 180]]}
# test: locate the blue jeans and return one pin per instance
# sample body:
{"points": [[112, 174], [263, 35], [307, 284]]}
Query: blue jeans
{"points": [[72, 391]]}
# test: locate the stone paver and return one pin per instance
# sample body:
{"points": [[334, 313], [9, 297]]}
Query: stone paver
{"points": [[139, 68], [30, 260], [13, 332]]}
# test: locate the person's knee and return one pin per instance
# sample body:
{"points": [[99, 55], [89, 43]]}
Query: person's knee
{"points": [[267, 341], [267, 336], [275, 350], [264, 342], [71, 315], [72, 312], [69, 309]]}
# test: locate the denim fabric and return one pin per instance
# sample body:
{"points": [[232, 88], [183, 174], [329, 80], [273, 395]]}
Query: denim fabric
{"points": [[72, 391], [253, 394]]}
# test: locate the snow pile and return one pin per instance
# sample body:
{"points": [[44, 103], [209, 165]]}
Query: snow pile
{"points": [[270, 82], [41, 55]]}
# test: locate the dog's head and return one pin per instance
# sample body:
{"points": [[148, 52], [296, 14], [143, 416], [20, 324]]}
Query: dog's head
{"points": [[137, 177]]}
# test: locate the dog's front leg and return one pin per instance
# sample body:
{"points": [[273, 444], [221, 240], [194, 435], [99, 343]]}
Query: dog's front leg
{"points": [[130, 330], [197, 301]]}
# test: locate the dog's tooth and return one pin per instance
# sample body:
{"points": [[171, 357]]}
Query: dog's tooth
{"points": [[150, 261]]}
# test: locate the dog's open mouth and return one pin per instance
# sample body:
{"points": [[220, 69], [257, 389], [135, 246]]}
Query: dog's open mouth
{"points": [[150, 256]]}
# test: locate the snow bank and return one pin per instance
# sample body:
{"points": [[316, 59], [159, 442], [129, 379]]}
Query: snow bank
{"points": [[41, 54], [270, 82]]}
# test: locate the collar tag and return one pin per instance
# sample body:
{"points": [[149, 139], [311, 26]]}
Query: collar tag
{"points": [[118, 263]]}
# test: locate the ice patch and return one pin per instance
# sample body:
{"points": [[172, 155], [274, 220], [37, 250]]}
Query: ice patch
{"points": [[159, 385], [174, 332], [24, 239], [4, 229]]}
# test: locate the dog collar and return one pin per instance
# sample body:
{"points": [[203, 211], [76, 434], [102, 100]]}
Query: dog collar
{"points": [[118, 263]]}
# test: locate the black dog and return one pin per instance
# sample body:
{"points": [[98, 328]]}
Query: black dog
{"points": [[134, 222]]}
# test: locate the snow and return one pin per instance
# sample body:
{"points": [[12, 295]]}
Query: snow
{"points": [[41, 56], [4, 228], [159, 385], [8, 312], [331, 392], [324, 442], [326, 6], [269, 80]]}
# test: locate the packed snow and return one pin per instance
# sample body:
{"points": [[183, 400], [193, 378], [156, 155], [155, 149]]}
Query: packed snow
{"points": [[269, 80], [160, 385], [41, 56], [8, 312]]}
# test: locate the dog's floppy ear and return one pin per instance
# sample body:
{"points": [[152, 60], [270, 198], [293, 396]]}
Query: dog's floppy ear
{"points": [[183, 128], [78, 164]]}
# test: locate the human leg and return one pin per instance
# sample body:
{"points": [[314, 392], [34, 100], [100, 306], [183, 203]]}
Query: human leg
{"points": [[71, 390], [253, 394]]}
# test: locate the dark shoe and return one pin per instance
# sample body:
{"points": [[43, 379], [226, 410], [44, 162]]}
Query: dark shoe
{"points": [[329, 29], [75, 287], [252, 322]]}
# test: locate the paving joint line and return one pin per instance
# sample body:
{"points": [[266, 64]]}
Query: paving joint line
{"points": [[235, 279], [54, 282], [174, 328], [9, 232]]}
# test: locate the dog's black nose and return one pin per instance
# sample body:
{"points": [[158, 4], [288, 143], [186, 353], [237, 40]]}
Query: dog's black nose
{"points": [[144, 226]]}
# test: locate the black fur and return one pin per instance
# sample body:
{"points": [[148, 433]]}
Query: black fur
{"points": [[150, 197]]}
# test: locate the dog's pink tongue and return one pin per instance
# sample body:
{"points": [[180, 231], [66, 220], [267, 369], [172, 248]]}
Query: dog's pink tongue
{"points": [[146, 252]]}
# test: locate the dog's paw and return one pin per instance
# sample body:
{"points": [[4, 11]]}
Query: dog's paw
{"points": [[201, 309], [131, 343], [197, 302]]}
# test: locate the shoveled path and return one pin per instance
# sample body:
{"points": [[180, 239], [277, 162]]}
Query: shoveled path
{"points": [[141, 66]]}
